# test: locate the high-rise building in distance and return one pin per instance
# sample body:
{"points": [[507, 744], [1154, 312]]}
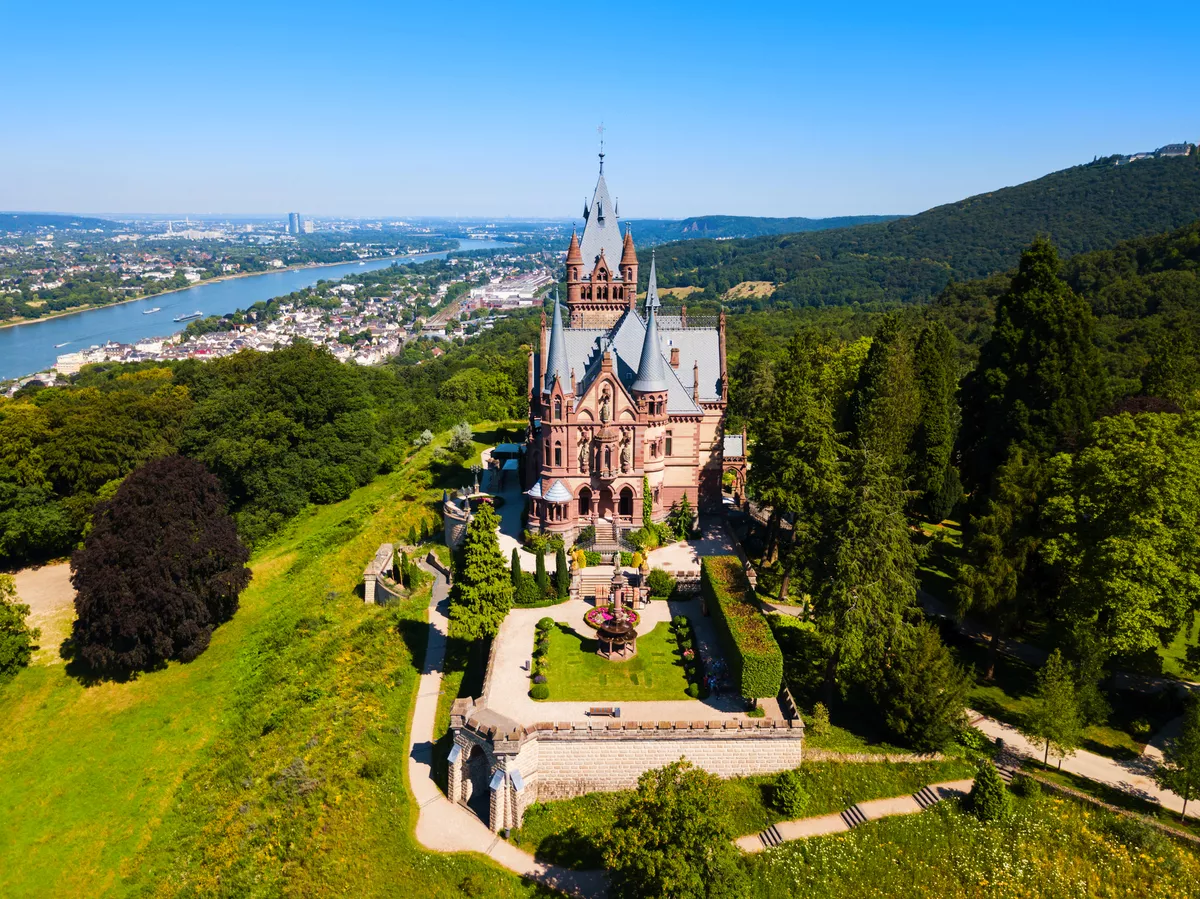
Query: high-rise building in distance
{"points": [[308, 226], [293, 223]]}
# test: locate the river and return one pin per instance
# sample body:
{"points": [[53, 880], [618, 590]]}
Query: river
{"points": [[33, 346]]}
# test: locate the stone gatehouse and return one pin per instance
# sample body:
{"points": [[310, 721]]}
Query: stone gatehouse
{"points": [[499, 767]]}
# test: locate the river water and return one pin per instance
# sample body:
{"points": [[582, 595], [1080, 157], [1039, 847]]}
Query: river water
{"points": [[33, 347]]}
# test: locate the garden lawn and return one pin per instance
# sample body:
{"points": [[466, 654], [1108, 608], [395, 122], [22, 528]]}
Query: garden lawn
{"points": [[570, 832], [274, 764], [1173, 656], [1049, 848], [576, 673]]}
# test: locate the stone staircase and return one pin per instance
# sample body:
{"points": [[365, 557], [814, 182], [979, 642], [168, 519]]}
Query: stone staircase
{"points": [[926, 797], [853, 817], [590, 578], [771, 837]]}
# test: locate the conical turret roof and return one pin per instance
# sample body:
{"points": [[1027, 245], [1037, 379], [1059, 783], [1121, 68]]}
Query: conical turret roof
{"points": [[556, 353], [574, 257], [652, 372], [628, 255]]}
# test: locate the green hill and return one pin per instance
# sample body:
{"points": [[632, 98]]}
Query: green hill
{"points": [[14, 222], [1084, 208], [654, 231], [274, 764]]}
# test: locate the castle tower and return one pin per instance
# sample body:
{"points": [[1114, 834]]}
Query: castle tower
{"points": [[597, 293], [650, 388]]}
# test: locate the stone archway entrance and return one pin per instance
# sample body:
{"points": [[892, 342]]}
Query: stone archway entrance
{"points": [[585, 503], [475, 775], [626, 505]]}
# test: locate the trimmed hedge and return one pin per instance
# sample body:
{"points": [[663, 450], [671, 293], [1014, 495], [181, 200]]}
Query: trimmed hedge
{"points": [[755, 660]]}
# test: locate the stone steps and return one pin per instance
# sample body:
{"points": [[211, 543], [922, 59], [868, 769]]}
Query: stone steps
{"points": [[771, 837], [1006, 773], [926, 797], [854, 817]]}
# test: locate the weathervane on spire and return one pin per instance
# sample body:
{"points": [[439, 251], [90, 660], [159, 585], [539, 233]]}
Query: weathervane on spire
{"points": [[600, 131]]}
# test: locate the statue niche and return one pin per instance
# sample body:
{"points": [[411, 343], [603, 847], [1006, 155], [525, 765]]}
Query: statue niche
{"points": [[605, 405], [626, 451], [585, 452]]}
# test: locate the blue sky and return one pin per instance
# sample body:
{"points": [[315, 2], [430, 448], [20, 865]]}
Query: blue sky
{"points": [[462, 109]]}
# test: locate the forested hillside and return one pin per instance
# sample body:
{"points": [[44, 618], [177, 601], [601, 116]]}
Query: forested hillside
{"points": [[280, 430], [1080, 209], [12, 222], [655, 231]]}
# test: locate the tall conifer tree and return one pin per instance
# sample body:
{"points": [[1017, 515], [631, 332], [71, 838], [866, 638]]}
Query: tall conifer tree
{"points": [[483, 590]]}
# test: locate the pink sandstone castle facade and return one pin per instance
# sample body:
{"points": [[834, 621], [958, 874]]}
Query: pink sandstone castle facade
{"points": [[622, 397]]}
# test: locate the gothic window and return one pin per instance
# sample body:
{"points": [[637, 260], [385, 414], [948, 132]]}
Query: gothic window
{"points": [[669, 442], [557, 454], [608, 458], [558, 408], [546, 453]]}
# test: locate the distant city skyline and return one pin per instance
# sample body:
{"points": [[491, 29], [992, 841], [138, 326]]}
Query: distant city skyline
{"points": [[772, 110]]}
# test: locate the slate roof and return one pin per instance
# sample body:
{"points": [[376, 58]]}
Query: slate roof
{"points": [[602, 231], [555, 493], [650, 371]]}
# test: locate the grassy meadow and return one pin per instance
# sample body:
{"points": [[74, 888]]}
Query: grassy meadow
{"points": [[274, 764]]}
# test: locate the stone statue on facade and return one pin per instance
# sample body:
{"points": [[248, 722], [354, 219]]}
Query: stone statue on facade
{"points": [[605, 406], [585, 452], [626, 452]]}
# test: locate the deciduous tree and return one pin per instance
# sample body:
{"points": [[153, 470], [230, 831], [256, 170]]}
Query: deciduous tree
{"points": [[1053, 720], [1180, 769], [673, 837], [161, 569], [17, 638]]}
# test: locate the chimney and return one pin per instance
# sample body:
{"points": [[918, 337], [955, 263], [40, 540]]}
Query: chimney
{"points": [[683, 316], [696, 382], [675, 357]]}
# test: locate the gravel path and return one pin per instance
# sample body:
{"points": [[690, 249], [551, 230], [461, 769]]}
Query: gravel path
{"points": [[51, 600]]}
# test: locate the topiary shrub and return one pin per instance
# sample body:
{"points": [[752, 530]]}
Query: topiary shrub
{"points": [[819, 720], [755, 659], [660, 583], [788, 796], [539, 691], [1025, 786], [693, 690], [988, 799], [545, 624], [539, 678]]}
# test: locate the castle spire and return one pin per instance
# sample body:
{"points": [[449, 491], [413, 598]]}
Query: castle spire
{"points": [[628, 255], [556, 353], [652, 300], [651, 376], [573, 254]]}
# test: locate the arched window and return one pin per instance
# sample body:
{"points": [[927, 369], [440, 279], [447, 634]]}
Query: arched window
{"points": [[625, 509], [557, 454], [546, 453], [558, 408], [608, 458], [585, 502], [669, 441]]}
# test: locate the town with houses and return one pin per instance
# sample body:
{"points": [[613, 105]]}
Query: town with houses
{"points": [[365, 319]]}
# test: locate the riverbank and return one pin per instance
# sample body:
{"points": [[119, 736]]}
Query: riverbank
{"points": [[218, 279]]}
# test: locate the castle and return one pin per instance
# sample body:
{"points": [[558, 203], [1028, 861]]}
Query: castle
{"points": [[621, 399]]}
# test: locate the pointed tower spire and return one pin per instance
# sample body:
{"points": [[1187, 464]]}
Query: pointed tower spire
{"points": [[585, 209], [651, 373], [556, 353], [574, 257], [628, 255], [652, 300]]}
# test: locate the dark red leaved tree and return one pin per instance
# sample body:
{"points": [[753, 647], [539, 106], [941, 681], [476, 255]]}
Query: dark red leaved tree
{"points": [[162, 567]]}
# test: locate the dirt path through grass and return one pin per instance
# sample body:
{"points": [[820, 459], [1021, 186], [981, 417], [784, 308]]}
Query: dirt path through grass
{"points": [[51, 599]]}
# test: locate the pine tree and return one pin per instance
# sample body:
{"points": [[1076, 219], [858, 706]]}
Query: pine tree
{"points": [[865, 571], [412, 535], [924, 692], [1039, 380], [483, 589], [988, 799], [932, 472], [405, 580], [681, 517], [543, 579], [516, 568], [1054, 719], [886, 400], [562, 574]]}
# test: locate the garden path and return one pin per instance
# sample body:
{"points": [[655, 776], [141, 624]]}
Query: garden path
{"points": [[1132, 776], [840, 822], [444, 826], [48, 592]]}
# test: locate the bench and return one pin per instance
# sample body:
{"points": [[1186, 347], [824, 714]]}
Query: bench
{"points": [[604, 711]]}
